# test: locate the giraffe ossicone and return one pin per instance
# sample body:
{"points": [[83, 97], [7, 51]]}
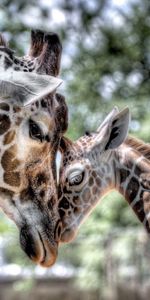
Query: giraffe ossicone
{"points": [[17, 80], [33, 117], [100, 162]]}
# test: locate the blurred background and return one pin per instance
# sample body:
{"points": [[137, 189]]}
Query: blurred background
{"points": [[105, 62]]}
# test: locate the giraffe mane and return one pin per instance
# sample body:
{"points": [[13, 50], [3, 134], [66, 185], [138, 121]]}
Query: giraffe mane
{"points": [[65, 143], [140, 146]]}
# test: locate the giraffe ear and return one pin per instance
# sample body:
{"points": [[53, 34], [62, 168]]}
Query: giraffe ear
{"points": [[117, 129], [25, 87], [109, 117]]}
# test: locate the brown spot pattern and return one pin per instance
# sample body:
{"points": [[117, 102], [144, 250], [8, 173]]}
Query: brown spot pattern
{"points": [[132, 188], [91, 181], [137, 170], [139, 211], [18, 121], [27, 194], [12, 178], [6, 192], [8, 161], [123, 174], [42, 194], [76, 200], [9, 136], [86, 195], [77, 210], [64, 203], [98, 181], [145, 180], [61, 213], [146, 201], [4, 123], [16, 108], [4, 106], [41, 178], [94, 174], [94, 190]]}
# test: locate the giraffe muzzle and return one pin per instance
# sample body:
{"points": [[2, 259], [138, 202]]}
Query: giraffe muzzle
{"points": [[69, 234], [38, 247]]}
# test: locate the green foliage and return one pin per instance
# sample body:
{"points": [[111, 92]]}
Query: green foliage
{"points": [[5, 225], [111, 65]]}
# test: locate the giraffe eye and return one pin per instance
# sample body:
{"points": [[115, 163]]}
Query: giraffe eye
{"points": [[76, 179], [35, 131]]}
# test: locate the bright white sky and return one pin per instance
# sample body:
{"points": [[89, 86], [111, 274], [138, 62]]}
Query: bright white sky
{"points": [[119, 2]]}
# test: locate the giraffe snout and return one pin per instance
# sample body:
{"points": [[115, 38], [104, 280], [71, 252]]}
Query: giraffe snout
{"points": [[38, 246]]}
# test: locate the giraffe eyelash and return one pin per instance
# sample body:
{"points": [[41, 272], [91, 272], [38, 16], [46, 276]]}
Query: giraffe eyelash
{"points": [[76, 179]]}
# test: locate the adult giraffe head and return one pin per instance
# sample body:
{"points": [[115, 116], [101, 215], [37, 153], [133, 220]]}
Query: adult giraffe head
{"points": [[32, 119], [97, 163]]}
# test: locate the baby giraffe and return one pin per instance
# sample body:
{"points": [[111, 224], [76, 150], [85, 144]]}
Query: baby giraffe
{"points": [[96, 164], [32, 119]]}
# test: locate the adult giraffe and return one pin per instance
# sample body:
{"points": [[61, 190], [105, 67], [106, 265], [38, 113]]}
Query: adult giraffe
{"points": [[98, 163], [29, 137]]}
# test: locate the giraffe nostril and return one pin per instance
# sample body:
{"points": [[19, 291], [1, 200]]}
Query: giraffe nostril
{"points": [[57, 231]]}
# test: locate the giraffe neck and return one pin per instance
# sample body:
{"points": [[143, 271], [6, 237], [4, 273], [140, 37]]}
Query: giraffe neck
{"points": [[127, 171], [132, 171]]}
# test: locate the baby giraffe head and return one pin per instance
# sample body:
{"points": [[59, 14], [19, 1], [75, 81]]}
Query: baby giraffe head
{"points": [[32, 119], [86, 170]]}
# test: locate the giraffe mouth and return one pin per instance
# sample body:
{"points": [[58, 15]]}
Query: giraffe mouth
{"points": [[49, 252], [38, 248], [68, 235]]}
